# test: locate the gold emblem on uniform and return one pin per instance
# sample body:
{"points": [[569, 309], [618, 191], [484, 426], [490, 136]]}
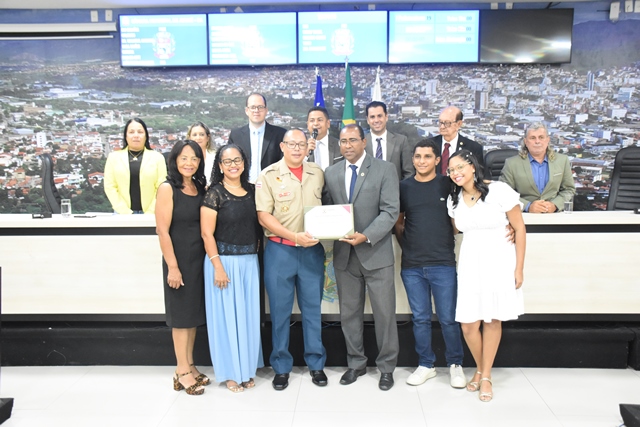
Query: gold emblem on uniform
{"points": [[279, 179], [285, 208]]}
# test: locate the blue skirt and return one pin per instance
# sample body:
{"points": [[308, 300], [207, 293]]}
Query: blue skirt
{"points": [[233, 318]]}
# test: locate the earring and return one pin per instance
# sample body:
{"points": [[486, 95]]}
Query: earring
{"points": [[221, 171]]}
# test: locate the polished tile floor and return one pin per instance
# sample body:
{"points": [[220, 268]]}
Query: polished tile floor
{"points": [[117, 396]]}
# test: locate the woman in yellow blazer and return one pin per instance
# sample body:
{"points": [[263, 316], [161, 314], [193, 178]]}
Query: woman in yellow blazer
{"points": [[132, 175]]}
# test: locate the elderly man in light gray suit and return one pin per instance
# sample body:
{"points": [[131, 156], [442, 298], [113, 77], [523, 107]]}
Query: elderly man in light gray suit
{"points": [[365, 258], [385, 145], [541, 176]]}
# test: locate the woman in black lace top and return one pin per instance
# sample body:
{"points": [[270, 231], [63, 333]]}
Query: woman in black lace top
{"points": [[231, 235]]}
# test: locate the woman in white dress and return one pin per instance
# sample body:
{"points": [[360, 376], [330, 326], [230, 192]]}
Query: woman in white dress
{"points": [[200, 133], [490, 267]]}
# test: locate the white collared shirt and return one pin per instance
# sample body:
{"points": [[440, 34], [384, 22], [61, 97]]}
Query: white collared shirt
{"points": [[383, 143], [454, 144], [321, 153], [256, 150], [347, 173]]}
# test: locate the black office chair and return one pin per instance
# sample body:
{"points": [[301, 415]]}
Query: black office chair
{"points": [[51, 197], [625, 182], [494, 162]]}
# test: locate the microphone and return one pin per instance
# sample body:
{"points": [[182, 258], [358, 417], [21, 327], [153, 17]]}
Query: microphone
{"points": [[314, 135]]}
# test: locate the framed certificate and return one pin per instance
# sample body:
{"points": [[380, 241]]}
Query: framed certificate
{"points": [[330, 222]]}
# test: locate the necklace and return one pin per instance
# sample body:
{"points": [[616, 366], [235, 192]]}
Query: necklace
{"points": [[231, 186], [474, 196], [134, 157]]}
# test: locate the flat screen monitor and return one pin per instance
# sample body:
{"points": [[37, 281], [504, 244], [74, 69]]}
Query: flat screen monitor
{"points": [[526, 36], [163, 40], [332, 37], [252, 38], [444, 36]]}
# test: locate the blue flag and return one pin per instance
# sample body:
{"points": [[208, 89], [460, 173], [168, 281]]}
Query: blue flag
{"points": [[319, 101]]}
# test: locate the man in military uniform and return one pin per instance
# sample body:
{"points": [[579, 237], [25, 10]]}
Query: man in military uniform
{"points": [[293, 259]]}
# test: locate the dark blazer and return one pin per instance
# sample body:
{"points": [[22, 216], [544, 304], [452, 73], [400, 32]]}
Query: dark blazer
{"points": [[399, 152], [273, 136], [334, 152], [376, 205], [463, 143]]}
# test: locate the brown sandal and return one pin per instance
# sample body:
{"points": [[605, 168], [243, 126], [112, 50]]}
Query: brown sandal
{"points": [[193, 390], [202, 378], [248, 384]]}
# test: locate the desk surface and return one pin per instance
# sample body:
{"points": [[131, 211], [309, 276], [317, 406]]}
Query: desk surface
{"points": [[579, 263], [114, 220]]}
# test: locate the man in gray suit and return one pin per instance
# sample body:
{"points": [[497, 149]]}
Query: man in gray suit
{"points": [[326, 150], [259, 140], [541, 176], [365, 258], [386, 145]]}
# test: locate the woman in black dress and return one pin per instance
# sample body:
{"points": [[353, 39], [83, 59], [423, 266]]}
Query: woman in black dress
{"points": [[178, 227]]}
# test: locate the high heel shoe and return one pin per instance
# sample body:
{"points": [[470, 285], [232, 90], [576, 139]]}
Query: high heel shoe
{"points": [[485, 396], [202, 378], [474, 386], [193, 390]]}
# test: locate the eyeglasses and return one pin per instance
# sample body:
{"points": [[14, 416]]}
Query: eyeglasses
{"points": [[293, 144], [350, 141], [237, 161], [257, 108], [440, 123], [458, 168]]}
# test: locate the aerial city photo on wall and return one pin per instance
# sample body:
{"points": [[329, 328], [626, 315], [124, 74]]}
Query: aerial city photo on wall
{"points": [[71, 98]]}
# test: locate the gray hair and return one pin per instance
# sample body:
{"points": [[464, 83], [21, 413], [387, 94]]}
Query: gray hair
{"points": [[524, 151]]}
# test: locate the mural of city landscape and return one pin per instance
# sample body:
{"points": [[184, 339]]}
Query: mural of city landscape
{"points": [[70, 98]]}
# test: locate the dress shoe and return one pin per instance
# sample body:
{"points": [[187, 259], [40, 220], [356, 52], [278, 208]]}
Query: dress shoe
{"points": [[318, 378], [280, 381], [386, 381], [352, 375]]}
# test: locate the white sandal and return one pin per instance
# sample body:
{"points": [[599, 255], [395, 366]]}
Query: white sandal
{"points": [[474, 386], [485, 396]]}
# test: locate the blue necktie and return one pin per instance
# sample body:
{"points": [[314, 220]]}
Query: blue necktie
{"points": [[379, 149], [352, 186]]}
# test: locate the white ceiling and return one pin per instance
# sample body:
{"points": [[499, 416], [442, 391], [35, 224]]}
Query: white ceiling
{"points": [[124, 4]]}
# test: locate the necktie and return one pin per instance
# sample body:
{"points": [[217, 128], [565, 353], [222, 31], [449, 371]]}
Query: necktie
{"points": [[379, 149], [444, 162], [352, 185]]}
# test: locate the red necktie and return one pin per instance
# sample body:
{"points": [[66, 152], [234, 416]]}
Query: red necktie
{"points": [[444, 162]]}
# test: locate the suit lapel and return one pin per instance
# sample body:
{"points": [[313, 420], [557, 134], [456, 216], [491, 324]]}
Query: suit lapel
{"points": [[340, 177], [553, 170], [391, 146], [266, 140], [363, 172], [526, 171]]}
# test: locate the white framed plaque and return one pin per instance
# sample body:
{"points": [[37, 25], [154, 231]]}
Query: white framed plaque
{"points": [[329, 222]]}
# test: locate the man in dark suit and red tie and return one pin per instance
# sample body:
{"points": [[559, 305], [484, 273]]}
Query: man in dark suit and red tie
{"points": [[385, 145], [449, 141], [259, 140]]}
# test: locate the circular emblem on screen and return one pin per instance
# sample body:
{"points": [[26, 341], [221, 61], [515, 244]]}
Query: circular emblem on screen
{"points": [[342, 42], [164, 45]]}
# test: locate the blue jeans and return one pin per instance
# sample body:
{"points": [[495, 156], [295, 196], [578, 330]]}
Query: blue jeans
{"points": [[442, 282]]}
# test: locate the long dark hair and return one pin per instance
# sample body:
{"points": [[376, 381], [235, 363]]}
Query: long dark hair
{"points": [[216, 174], [478, 178], [146, 133], [173, 175]]}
